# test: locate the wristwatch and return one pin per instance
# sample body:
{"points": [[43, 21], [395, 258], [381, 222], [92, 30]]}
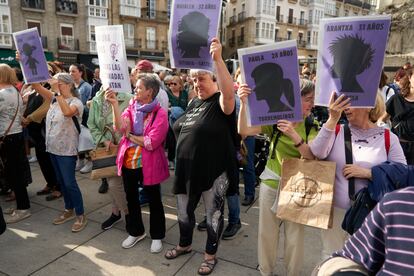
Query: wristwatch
{"points": [[57, 94]]}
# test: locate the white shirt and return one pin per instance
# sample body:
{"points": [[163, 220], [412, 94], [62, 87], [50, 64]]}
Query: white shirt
{"points": [[8, 105]]}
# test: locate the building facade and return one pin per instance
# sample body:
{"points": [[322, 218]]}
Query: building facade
{"points": [[258, 22], [67, 27]]}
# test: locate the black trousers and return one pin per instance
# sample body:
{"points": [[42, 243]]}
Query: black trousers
{"points": [[171, 145], [43, 158], [132, 178], [2, 222], [17, 169]]}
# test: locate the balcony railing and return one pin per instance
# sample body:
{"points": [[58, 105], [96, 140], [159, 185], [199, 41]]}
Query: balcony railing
{"points": [[151, 44], [232, 41], [278, 38], [240, 40], [280, 19], [303, 22], [44, 41], [366, 6], [66, 6], [241, 16], [132, 43], [233, 20], [291, 20], [68, 43], [37, 5], [357, 3], [154, 15], [301, 43]]}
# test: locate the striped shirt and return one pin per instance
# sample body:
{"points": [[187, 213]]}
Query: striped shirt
{"points": [[384, 244]]}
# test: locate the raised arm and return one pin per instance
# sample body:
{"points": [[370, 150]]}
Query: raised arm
{"points": [[243, 128], [224, 80]]}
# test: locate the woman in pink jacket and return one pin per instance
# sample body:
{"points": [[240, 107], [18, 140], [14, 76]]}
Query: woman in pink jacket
{"points": [[141, 158]]}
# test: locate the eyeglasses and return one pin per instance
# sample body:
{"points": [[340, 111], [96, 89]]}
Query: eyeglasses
{"points": [[172, 83]]}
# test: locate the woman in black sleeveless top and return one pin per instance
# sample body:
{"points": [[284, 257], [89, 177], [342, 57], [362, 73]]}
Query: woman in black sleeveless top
{"points": [[206, 157]]}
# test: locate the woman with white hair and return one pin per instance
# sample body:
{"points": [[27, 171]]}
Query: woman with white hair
{"points": [[206, 158], [62, 139]]}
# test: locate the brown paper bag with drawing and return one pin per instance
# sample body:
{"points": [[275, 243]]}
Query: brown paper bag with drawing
{"points": [[306, 192]]}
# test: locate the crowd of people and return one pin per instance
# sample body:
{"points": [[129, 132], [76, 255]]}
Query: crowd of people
{"points": [[167, 124]]}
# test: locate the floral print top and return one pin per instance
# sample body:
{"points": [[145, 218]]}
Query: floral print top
{"points": [[62, 137]]}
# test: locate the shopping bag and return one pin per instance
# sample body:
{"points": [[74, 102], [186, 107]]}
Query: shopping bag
{"points": [[103, 160], [85, 140], [306, 192]]}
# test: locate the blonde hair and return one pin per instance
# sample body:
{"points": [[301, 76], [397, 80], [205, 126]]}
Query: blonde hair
{"points": [[7, 74], [178, 80], [378, 110]]}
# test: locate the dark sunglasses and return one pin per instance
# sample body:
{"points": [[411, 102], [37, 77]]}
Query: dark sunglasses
{"points": [[172, 83]]}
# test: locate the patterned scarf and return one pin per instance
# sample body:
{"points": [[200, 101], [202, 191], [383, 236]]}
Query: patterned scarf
{"points": [[140, 111]]}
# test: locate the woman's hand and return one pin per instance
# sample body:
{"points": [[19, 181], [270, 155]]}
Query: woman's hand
{"points": [[109, 145], [243, 92], [287, 128], [25, 121], [110, 96], [351, 170], [54, 86], [336, 107], [215, 49], [17, 56]]}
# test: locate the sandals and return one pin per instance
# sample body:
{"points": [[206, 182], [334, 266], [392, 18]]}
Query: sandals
{"points": [[54, 195], [175, 252], [207, 266], [45, 191]]}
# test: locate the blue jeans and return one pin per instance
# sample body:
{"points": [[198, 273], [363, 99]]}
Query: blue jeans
{"points": [[64, 167], [233, 203], [249, 174]]}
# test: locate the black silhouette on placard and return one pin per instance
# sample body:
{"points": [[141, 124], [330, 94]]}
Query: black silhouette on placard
{"points": [[270, 86], [351, 56], [192, 34], [31, 61]]}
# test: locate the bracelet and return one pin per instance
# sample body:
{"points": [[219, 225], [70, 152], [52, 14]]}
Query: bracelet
{"points": [[300, 143]]}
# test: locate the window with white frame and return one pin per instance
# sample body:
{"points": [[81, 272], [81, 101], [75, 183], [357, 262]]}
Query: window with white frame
{"points": [[151, 8], [129, 35], [67, 41], [100, 3], [97, 12], [151, 43], [3, 2], [130, 8], [269, 7], [258, 5], [257, 29], [92, 38], [266, 31], [169, 9], [5, 30]]}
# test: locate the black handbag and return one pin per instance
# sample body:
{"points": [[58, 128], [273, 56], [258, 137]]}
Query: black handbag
{"points": [[362, 202]]}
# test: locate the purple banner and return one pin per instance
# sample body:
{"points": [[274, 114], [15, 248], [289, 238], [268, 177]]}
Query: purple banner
{"points": [[271, 71], [193, 25], [32, 57], [350, 58]]}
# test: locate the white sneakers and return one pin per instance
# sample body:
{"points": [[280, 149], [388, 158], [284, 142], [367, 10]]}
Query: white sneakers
{"points": [[87, 168], [131, 241], [17, 215], [156, 246], [79, 164]]}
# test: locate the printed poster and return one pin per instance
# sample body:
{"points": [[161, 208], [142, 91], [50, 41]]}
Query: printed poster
{"points": [[113, 64], [350, 58], [32, 58], [193, 25], [271, 71]]}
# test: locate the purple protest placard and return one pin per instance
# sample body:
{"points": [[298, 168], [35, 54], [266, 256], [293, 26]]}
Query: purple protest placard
{"points": [[32, 57], [272, 72], [350, 58], [193, 25]]}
